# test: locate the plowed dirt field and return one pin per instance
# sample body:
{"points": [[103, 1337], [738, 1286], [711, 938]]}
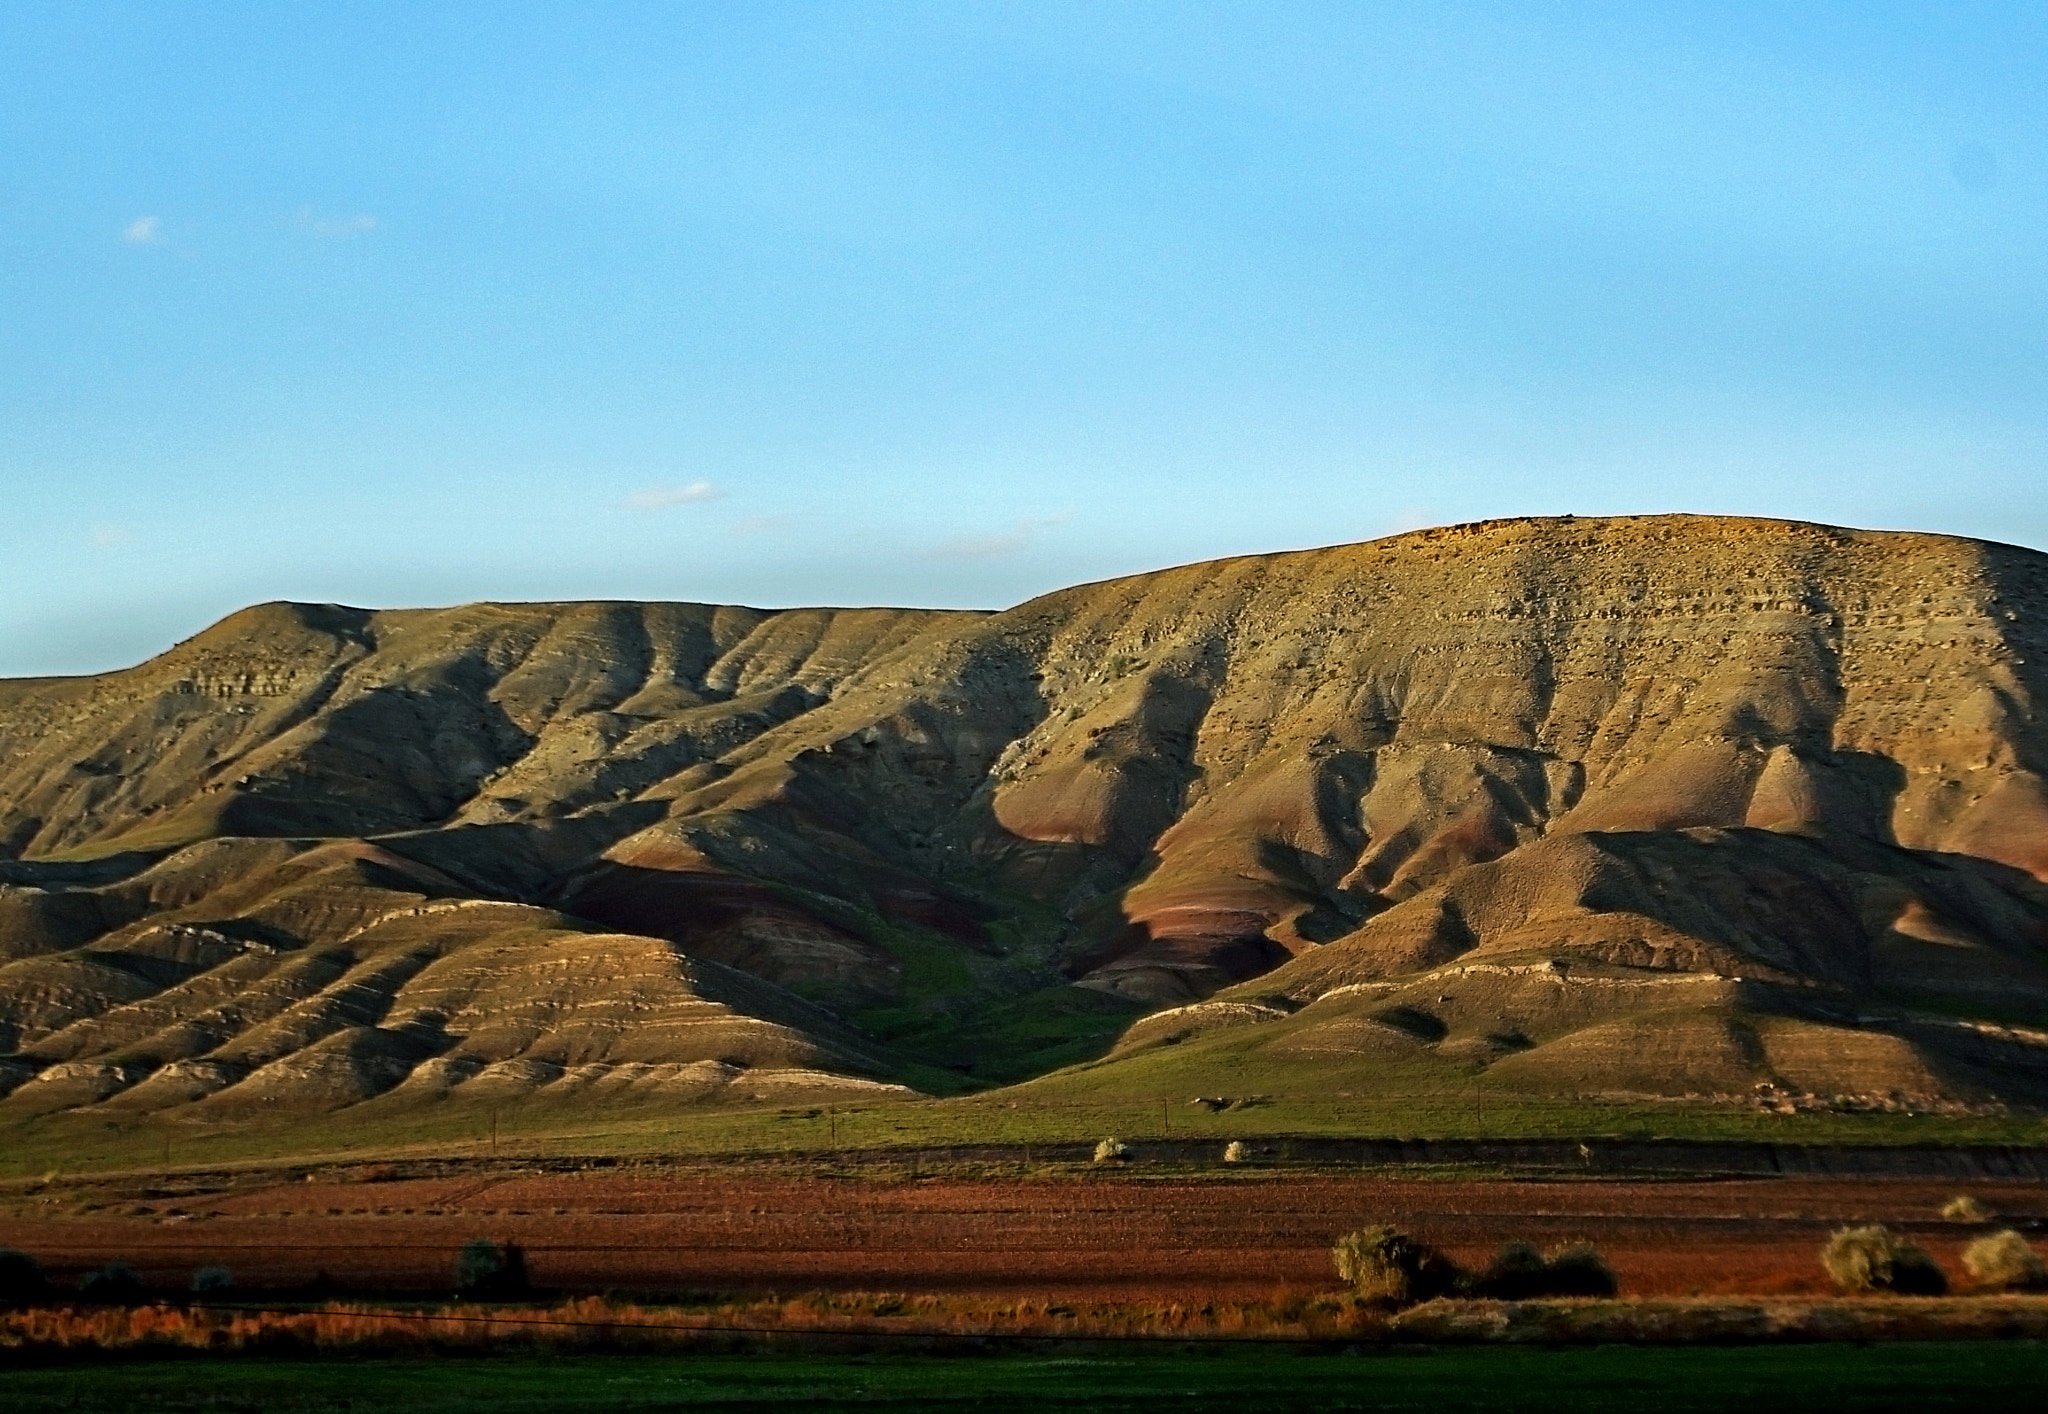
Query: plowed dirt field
{"points": [[1086, 1235]]}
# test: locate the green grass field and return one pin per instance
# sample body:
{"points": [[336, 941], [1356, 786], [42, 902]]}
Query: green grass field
{"points": [[1037, 1114], [1981, 1377]]}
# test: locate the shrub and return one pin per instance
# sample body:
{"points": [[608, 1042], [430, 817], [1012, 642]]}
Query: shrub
{"points": [[1516, 1273], [1235, 1152], [1578, 1269], [1381, 1264], [1965, 1209], [2004, 1260], [491, 1271], [1873, 1259], [22, 1282], [115, 1284], [1519, 1273], [1112, 1151], [212, 1281]]}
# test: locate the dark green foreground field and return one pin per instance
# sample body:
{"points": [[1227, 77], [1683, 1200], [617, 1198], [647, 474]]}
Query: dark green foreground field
{"points": [[1980, 1377]]}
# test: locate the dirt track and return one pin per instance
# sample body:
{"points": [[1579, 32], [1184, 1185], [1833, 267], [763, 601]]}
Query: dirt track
{"points": [[1081, 1236]]}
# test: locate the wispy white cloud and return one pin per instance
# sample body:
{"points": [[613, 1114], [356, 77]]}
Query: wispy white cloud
{"points": [[992, 544], [144, 230], [762, 525], [108, 537], [334, 228], [660, 498]]}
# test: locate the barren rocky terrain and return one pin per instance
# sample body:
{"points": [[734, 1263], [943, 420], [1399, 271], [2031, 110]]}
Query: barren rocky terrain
{"points": [[1747, 811]]}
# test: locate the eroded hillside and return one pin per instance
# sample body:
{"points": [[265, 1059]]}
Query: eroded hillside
{"points": [[1672, 805]]}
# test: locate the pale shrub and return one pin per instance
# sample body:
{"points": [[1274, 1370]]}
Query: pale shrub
{"points": [[1235, 1152], [1382, 1264], [2003, 1259], [1112, 1151], [1874, 1259], [1965, 1209]]}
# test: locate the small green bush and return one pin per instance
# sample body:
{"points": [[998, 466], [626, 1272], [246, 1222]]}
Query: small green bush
{"points": [[1382, 1264], [2004, 1261], [1965, 1209], [491, 1271], [115, 1284], [1112, 1151], [22, 1282], [1874, 1259], [212, 1281]]}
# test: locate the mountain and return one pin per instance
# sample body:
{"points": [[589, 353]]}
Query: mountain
{"points": [[1673, 805]]}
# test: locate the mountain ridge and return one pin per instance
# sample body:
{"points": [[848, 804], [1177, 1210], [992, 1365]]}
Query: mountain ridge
{"points": [[1795, 769]]}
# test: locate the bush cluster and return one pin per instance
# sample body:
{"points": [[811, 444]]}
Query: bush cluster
{"points": [[1386, 1265], [1520, 1273], [484, 1271], [1873, 1258]]}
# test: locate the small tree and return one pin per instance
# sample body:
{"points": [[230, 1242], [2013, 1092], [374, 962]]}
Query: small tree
{"points": [[1112, 1151], [2003, 1261], [491, 1271], [1382, 1264], [22, 1282], [1874, 1259]]}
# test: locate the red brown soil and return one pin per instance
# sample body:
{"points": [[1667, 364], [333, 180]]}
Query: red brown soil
{"points": [[1085, 1236]]}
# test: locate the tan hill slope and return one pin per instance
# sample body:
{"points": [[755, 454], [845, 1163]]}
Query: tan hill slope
{"points": [[1668, 805]]}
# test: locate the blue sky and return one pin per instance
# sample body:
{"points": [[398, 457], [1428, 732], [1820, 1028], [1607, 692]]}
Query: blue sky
{"points": [[954, 303]]}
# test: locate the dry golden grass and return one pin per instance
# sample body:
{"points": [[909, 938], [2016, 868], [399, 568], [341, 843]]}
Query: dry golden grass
{"points": [[913, 1323]]}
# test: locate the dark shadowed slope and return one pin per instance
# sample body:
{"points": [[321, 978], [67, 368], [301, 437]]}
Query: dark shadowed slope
{"points": [[1672, 805]]}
